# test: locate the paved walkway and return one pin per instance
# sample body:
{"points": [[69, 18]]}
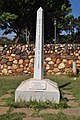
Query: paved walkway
{"points": [[73, 110]]}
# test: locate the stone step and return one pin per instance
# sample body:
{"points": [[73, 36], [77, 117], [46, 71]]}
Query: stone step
{"points": [[73, 103], [72, 111], [32, 118], [69, 97]]}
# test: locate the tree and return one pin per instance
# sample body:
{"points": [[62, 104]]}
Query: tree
{"points": [[71, 26], [78, 24], [77, 33], [23, 21]]}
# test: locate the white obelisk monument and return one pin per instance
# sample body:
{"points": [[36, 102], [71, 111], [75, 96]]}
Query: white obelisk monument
{"points": [[38, 88], [39, 52]]}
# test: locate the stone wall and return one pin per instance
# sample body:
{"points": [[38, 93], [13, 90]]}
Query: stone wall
{"points": [[58, 59]]}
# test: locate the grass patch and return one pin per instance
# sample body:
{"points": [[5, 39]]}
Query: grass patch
{"points": [[35, 105], [9, 83], [74, 87], [68, 83], [71, 75], [14, 116], [59, 116]]}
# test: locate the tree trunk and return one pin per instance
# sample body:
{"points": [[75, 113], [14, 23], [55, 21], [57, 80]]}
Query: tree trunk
{"points": [[27, 36], [17, 40]]}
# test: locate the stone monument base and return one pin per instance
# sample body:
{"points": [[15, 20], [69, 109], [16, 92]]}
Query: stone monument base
{"points": [[39, 90]]}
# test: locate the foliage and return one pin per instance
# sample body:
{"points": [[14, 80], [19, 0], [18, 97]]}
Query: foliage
{"points": [[71, 26], [6, 20], [14, 116], [20, 15], [58, 116], [5, 41]]}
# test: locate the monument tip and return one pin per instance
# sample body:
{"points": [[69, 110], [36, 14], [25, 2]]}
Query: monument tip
{"points": [[40, 8]]}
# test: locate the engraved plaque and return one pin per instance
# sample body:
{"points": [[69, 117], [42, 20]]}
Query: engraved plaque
{"points": [[38, 85]]}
